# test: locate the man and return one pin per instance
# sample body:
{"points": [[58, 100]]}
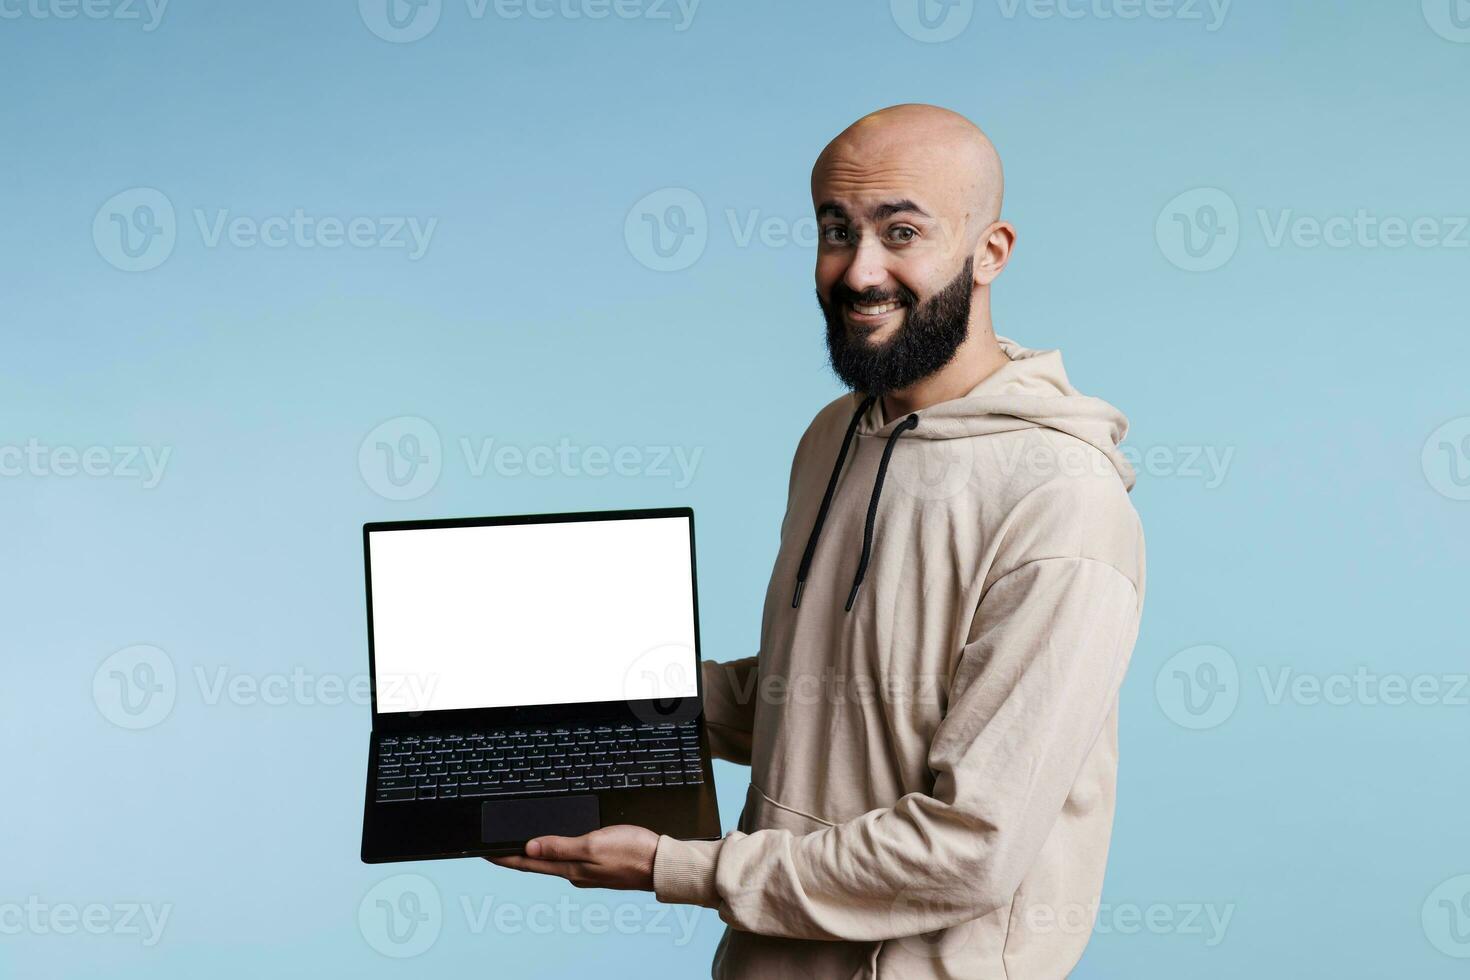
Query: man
{"points": [[931, 722]]}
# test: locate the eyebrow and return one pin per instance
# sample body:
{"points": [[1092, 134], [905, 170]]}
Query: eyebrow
{"points": [[831, 209]]}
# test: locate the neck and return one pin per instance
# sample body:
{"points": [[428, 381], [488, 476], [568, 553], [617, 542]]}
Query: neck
{"points": [[975, 360]]}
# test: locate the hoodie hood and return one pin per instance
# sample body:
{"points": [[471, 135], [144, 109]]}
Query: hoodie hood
{"points": [[1032, 391]]}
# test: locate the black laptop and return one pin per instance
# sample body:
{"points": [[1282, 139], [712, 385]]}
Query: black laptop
{"points": [[533, 675]]}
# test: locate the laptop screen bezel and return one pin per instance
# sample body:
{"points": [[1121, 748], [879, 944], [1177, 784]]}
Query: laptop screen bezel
{"points": [[674, 709]]}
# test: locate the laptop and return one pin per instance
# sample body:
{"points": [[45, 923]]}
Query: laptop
{"points": [[533, 675]]}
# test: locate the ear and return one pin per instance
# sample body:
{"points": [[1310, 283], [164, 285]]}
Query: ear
{"points": [[993, 251]]}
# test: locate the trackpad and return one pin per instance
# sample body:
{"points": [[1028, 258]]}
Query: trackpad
{"points": [[520, 820]]}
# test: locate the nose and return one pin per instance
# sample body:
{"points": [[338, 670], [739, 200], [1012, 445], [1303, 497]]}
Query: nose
{"points": [[866, 271]]}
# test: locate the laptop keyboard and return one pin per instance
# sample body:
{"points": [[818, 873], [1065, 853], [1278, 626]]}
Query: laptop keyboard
{"points": [[570, 759]]}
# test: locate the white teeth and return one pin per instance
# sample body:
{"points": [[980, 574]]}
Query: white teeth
{"points": [[878, 310]]}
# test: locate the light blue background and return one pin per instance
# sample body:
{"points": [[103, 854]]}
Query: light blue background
{"points": [[1322, 829]]}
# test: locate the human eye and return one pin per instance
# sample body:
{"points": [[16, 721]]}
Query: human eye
{"points": [[903, 234], [836, 235]]}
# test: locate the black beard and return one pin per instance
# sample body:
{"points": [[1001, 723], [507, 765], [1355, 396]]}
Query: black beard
{"points": [[931, 334]]}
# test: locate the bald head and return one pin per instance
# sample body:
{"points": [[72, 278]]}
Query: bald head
{"points": [[916, 147], [910, 239]]}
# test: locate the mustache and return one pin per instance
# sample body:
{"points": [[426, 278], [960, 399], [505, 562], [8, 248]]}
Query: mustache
{"points": [[842, 295]]}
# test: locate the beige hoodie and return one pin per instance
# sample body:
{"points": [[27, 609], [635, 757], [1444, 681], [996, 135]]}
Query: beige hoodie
{"points": [[933, 769]]}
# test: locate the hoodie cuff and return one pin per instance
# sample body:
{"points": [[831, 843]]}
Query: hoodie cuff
{"points": [[684, 871]]}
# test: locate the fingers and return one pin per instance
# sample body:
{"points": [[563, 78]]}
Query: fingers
{"points": [[560, 848], [559, 869]]}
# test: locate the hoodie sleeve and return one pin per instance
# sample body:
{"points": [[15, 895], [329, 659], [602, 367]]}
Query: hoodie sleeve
{"points": [[729, 707], [1031, 694]]}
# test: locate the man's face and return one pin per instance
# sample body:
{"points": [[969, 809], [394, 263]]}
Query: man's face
{"points": [[893, 278]]}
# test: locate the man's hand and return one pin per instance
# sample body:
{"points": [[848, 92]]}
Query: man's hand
{"points": [[613, 857]]}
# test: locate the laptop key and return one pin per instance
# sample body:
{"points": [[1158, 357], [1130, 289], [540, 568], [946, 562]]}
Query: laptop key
{"points": [[394, 795]]}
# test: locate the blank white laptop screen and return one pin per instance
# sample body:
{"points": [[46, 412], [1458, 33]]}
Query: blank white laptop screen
{"points": [[522, 614]]}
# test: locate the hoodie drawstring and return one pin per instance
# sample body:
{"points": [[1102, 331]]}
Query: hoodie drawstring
{"points": [[912, 422], [811, 542]]}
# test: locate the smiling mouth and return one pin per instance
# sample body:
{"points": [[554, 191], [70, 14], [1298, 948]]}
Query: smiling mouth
{"points": [[864, 312]]}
